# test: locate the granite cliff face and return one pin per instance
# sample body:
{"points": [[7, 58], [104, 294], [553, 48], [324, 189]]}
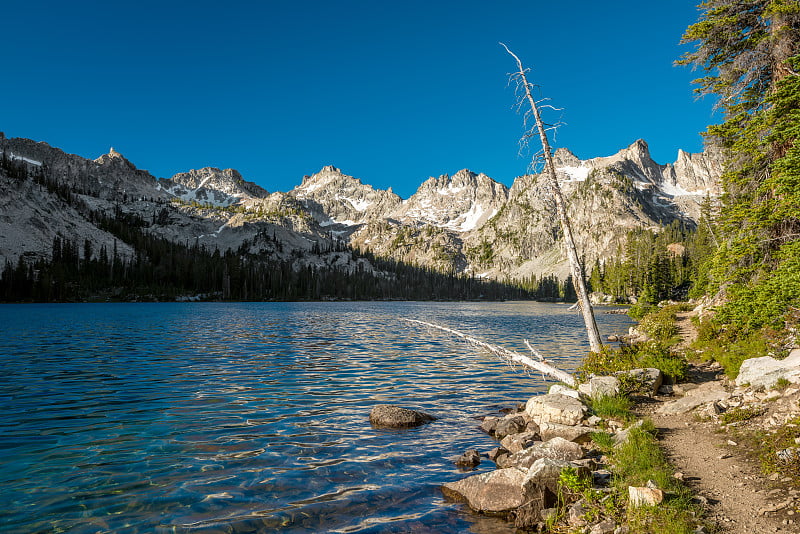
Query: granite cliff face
{"points": [[466, 222], [606, 197]]}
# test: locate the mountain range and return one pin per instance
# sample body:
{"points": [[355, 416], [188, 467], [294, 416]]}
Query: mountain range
{"points": [[464, 223]]}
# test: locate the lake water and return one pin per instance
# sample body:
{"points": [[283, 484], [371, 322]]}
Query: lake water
{"points": [[253, 417]]}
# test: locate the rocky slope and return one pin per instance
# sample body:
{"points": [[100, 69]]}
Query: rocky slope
{"points": [[606, 198], [464, 223]]}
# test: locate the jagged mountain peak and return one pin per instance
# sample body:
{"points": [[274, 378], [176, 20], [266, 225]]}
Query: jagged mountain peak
{"points": [[114, 159], [334, 198], [461, 202], [458, 182], [207, 176], [210, 185]]}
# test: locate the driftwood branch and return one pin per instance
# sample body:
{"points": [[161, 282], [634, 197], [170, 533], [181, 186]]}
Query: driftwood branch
{"points": [[534, 351], [508, 355]]}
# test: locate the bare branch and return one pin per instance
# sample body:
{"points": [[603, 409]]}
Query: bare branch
{"points": [[508, 355], [534, 351]]}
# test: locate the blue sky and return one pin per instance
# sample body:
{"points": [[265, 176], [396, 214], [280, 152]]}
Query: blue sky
{"points": [[390, 92]]}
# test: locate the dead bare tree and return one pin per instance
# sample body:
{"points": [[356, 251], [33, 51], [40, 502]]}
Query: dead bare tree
{"points": [[578, 278]]}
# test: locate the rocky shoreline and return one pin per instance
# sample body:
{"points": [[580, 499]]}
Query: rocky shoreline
{"points": [[635, 451], [538, 443]]}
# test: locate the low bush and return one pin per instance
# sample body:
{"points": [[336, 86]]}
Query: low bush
{"points": [[659, 324], [650, 354], [736, 415], [637, 311], [719, 344]]}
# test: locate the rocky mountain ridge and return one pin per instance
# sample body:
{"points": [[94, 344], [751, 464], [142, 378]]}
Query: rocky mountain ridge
{"points": [[465, 223]]}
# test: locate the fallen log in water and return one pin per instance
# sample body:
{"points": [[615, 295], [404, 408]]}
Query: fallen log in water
{"points": [[508, 355]]}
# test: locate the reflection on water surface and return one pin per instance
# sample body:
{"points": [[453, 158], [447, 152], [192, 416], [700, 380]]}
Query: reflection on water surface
{"points": [[252, 417]]}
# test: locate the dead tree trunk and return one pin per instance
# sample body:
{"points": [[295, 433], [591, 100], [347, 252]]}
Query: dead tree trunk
{"points": [[578, 278]]}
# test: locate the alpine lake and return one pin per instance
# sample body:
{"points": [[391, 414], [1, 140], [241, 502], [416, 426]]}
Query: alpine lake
{"points": [[253, 417]]}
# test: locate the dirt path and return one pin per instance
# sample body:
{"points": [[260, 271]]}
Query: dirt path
{"points": [[718, 468]]}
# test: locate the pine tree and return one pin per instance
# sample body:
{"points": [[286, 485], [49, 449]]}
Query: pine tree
{"points": [[749, 50]]}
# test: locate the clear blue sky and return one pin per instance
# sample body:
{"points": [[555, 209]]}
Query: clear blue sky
{"points": [[390, 92]]}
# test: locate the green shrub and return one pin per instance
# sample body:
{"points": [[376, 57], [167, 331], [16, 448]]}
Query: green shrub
{"points": [[639, 310], [660, 324], [650, 354], [657, 355], [718, 343], [603, 440], [740, 414]]}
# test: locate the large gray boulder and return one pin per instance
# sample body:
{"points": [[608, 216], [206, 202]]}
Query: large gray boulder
{"points": [[765, 372], [578, 434], [647, 380], [541, 482], [600, 386], [555, 408], [501, 490], [389, 416], [547, 472], [703, 394], [555, 449]]}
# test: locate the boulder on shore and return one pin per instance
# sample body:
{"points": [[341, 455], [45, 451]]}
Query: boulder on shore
{"points": [[389, 416], [521, 491], [578, 434], [555, 408], [510, 424], [497, 491], [555, 449], [600, 386], [766, 371], [517, 442], [647, 380]]}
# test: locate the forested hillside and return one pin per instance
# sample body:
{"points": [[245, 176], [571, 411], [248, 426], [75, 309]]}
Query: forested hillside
{"points": [[749, 53]]}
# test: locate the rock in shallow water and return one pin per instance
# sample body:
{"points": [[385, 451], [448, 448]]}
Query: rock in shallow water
{"points": [[389, 416], [496, 491], [469, 459]]}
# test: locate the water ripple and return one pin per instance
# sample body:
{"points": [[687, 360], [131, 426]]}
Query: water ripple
{"points": [[253, 417]]}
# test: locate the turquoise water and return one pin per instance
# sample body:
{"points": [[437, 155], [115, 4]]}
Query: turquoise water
{"points": [[252, 417]]}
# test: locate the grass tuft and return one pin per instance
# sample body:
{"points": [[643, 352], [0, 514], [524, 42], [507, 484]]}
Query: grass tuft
{"points": [[613, 407]]}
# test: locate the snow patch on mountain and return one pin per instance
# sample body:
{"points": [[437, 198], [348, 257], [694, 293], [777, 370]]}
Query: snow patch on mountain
{"points": [[21, 158], [576, 174]]}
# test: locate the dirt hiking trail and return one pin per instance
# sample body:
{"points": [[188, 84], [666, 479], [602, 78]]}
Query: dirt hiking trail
{"points": [[723, 473]]}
